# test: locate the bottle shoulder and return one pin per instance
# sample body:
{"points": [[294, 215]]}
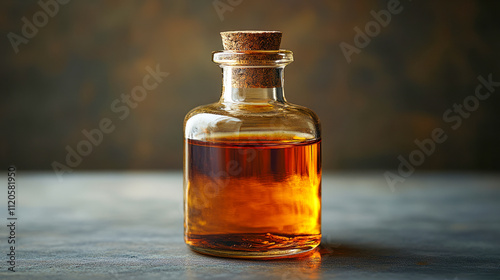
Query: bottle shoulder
{"points": [[275, 109], [212, 108], [214, 119]]}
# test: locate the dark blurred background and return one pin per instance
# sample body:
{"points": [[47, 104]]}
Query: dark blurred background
{"points": [[394, 91]]}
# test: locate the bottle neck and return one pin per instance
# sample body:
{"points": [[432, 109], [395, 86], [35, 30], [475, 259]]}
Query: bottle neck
{"points": [[252, 84]]}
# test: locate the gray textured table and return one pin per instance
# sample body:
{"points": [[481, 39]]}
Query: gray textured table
{"points": [[129, 226]]}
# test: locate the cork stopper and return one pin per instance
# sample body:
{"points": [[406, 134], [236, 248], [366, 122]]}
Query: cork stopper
{"points": [[253, 77], [251, 40]]}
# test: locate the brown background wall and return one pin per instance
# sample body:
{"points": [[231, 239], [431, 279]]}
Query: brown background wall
{"points": [[394, 91]]}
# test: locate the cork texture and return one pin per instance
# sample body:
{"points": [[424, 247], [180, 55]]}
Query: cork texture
{"points": [[255, 77], [245, 77], [251, 40]]}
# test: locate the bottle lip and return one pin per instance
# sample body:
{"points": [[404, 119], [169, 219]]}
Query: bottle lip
{"points": [[269, 58]]}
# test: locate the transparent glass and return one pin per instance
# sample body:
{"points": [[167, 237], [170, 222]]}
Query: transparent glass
{"points": [[252, 165]]}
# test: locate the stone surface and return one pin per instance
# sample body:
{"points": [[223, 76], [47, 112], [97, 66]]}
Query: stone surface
{"points": [[129, 226]]}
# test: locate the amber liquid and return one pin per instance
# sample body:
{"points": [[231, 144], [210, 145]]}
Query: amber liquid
{"points": [[252, 196]]}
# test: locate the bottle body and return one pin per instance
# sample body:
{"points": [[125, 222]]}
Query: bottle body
{"points": [[252, 173]]}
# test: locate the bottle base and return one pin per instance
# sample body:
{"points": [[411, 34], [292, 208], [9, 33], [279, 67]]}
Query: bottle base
{"points": [[253, 246]]}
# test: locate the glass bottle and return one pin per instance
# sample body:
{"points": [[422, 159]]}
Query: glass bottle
{"points": [[252, 161]]}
